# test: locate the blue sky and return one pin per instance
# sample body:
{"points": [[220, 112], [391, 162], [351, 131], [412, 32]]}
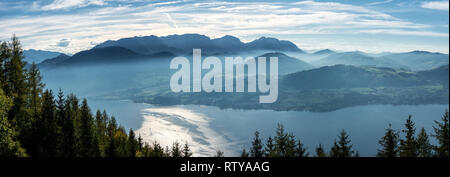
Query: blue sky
{"points": [[367, 25]]}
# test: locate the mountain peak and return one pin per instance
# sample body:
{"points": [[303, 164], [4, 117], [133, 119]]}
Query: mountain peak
{"points": [[324, 52], [268, 43]]}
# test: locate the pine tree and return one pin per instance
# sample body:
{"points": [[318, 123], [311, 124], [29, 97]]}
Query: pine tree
{"points": [[301, 150], [5, 54], [69, 143], [9, 146], [186, 150], [16, 89], [244, 153], [408, 146], [424, 148], [119, 143], [257, 149], [60, 116], [35, 86], [89, 142], [219, 153], [442, 134], [48, 126], [342, 148], [133, 145], [176, 150], [291, 146], [389, 143], [281, 141], [270, 149], [320, 152]]}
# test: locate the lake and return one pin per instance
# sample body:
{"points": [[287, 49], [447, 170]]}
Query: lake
{"points": [[209, 128]]}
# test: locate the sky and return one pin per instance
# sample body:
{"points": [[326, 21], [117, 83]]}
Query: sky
{"points": [[374, 26]]}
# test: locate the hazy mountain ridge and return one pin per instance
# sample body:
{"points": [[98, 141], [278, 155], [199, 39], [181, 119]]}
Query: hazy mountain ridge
{"points": [[415, 61], [182, 44], [37, 56], [287, 64]]}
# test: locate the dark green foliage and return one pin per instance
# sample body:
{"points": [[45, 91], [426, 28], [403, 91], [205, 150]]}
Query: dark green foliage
{"points": [[320, 151], [270, 149], [34, 123], [186, 150], [301, 150], [342, 148], [424, 148], [408, 146], [389, 143], [219, 153], [9, 146], [89, 142], [244, 153], [284, 143], [442, 134], [47, 127], [176, 150], [16, 88], [257, 149], [133, 144]]}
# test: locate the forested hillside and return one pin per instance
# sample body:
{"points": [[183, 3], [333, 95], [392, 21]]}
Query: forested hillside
{"points": [[34, 122]]}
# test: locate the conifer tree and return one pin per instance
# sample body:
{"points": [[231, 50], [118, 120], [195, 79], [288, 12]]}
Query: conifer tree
{"points": [[301, 150], [342, 148], [408, 146], [5, 54], [244, 153], [176, 150], [186, 150], [291, 145], [257, 149], [281, 141], [442, 134], [48, 126], [69, 142], [424, 148], [320, 151], [35, 86], [16, 89], [9, 146], [133, 144], [89, 143], [219, 153], [389, 143], [270, 149]]}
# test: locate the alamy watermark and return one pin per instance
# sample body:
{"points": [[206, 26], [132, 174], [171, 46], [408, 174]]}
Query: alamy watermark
{"points": [[212, 80]]}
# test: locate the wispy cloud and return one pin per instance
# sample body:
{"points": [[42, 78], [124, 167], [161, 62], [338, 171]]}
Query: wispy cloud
{"points": [[379, 2], [436, 5], [247, 20], [67, 4]]}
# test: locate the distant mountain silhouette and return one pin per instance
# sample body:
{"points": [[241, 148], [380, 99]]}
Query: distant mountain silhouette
{"points": [[54, 61], [287, 64], [351, 58], [274, 44], [38, 56], [104, 55], [182, 44], [418, 60], [324, 52]]}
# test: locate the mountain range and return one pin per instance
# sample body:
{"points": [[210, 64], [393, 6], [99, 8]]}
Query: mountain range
{"points": [[182, 44], [153, 47], [37, 56]]}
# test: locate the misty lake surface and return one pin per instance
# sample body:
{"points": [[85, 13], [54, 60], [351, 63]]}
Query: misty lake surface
{"points": [[209, 128]]}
